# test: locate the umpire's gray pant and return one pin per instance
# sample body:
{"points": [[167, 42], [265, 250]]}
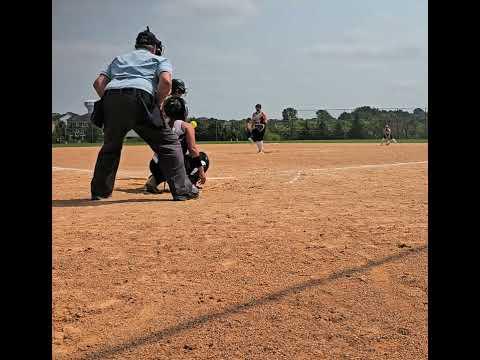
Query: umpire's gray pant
{"points": [[171, 163]]}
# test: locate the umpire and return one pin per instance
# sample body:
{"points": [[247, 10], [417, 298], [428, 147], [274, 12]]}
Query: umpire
{"points": [[132, 88]]}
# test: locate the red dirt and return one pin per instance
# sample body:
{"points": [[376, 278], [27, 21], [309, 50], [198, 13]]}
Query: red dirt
{"points": [[285, 261]]}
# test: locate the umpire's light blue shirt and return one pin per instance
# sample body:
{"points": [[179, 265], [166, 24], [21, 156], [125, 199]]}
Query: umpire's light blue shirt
{"points": [[137, 69]]}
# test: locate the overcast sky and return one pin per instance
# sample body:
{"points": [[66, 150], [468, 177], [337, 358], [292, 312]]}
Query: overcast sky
{"points": [[233, 54]]}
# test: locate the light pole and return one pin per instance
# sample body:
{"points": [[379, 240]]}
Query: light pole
{"points": [[89, 105]]}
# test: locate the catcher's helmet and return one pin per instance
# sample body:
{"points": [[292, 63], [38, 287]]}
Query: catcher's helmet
{"points": [[178, 87], [175, 108], [148, 38]]}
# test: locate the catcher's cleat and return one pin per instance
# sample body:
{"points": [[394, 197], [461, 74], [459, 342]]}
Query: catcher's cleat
{"points": [[194, 194], [151, 185]]}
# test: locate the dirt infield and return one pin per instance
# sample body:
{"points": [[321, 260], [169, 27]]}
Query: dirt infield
{"points": [[311, 251]]}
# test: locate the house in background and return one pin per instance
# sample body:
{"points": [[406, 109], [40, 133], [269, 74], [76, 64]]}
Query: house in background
{"points": [[67, 116], [79, 128], [71, 127]]}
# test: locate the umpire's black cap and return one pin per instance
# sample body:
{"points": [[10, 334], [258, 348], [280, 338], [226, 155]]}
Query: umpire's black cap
{"points": [[147, 38]]}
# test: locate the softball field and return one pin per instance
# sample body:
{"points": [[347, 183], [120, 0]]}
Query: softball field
{"points": [[311, 251]]}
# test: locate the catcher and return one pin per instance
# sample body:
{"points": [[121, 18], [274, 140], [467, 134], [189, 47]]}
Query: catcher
{"points": [[196, 161]]}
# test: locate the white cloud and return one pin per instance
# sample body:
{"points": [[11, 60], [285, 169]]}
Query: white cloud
{"points": [[406, 84], [88, 48], [365, 51], [225, 57], [232, 11]]}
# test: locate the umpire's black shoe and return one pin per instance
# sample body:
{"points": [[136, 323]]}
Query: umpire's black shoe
{"points": [[99, 197]]}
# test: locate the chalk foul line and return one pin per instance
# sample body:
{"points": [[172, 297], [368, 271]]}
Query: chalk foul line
{"points": [[297, 176], [128, 173], [371, 166], [298, 173]]}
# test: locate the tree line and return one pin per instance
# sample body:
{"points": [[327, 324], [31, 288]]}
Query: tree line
{"points": [[361, 123]]}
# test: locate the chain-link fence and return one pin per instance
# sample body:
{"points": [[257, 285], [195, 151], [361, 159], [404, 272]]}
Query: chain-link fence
{"points": [[324, 124], [295, 124]]}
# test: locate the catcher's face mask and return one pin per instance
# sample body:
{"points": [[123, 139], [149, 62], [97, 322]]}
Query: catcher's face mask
{"points": [[159, 50]]}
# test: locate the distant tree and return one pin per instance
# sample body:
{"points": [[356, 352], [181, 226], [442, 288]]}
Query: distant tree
{"points": [[323, 132], [201, 131], [304, 129], [212, 129], [366, 110], [345, 116], [290, 115], [325, 123], [338, 132], [323, 115], [357, 129], [346, 121], [419, 113]]}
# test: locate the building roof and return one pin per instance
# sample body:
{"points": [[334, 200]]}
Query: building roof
{"points": [[66, 116], [82, 118], [131, 133]]}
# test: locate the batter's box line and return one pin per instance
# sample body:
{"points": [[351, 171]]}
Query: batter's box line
{"points": [[297, 176], [298, 173], [129, 173]]}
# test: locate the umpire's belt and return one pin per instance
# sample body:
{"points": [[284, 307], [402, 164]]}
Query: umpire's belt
{"points": [[132, 91]]}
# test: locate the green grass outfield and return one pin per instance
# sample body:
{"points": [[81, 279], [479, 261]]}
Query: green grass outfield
{"points": [[402, 141]]}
